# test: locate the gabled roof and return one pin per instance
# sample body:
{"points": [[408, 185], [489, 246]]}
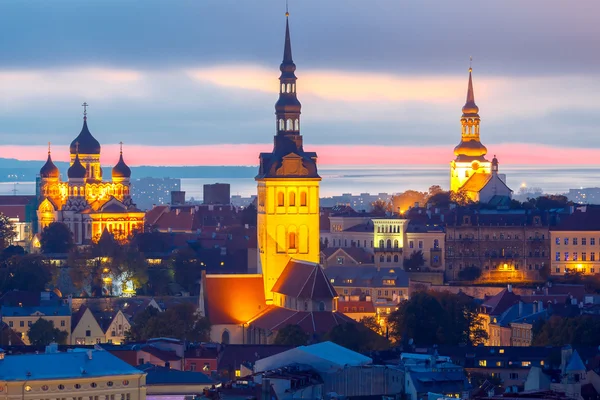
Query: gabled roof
{"points": [[575, 363], [29, 311], [476, 182], [304, 280], [163, 355], [366, 276], [233, 299], [76, 317], [358, 254], [313, 323], [501, 302]]}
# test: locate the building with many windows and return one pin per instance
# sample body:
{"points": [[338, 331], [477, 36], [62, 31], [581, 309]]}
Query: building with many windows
{"points": [[20, 318], [575, 242]]}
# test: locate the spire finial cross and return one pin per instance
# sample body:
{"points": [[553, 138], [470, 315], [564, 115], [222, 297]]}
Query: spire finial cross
{"points": [[287, 13], [470, 63], [121, 147], [48, 147], [85, 106]]}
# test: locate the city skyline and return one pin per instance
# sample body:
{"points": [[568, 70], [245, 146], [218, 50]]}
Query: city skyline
{"points": [[377, 87]]}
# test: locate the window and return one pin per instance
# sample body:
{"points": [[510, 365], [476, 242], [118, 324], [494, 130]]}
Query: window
{"points": [[420, 244], [558, 241], [436, 244], [340, 260], [592, 256], [192, 366], [558, 256], [566, 256], [292, 199], [583, 241], [575, 256], [526, 363], [10, 324], [498, 363], [62, 322], [483, 363], [98, 341], [514, 375], [303, 199], [396, 258], [501, 351], [292, 240], [396, 243], [206, 367], [583, 256], [574, 241], [29, 323], [593, 241], [557, 270], [321, 306], [411, 244], [140, 361], [88, 333], [566, 241], [280, 199]]}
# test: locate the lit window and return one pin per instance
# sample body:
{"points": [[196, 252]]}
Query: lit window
{"points": [[482, 363], [238, 373], [501, 351], [526, 363]]}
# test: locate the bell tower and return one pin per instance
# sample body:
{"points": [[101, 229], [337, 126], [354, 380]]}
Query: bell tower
{"points": [[470, 152], [288, 186]]}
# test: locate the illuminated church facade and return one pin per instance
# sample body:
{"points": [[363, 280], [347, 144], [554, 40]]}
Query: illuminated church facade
{"points": [[291, 287], [85, 202], [470, 172]]}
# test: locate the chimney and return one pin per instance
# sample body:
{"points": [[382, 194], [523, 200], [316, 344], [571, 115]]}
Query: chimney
{"points": [[177, 211], [520, 308], [167, 365]]}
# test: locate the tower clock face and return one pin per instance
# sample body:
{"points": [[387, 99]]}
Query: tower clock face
{"points": [[475, 165]]}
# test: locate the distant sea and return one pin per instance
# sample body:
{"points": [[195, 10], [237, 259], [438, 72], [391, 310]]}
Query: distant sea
{"points": [[393, 179]]}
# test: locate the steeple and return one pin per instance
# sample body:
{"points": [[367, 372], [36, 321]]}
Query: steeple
{"points": [[87, 143], [470, 108], [287, 108], [49, 170]]}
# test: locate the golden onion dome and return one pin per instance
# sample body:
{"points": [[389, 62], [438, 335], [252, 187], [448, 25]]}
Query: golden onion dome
{"points": [[471, 148]]}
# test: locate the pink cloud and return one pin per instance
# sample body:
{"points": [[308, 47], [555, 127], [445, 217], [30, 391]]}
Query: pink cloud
{"points": [[247, 154]]}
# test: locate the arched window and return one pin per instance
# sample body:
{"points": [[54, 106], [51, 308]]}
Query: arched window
{"points": [[292, 240], [281, 125], [389, 243], [381, 258], [389, 258], [303, 199], [289, 88], [378, 229], [289, 125], [396, 243], [381, 244], [280, 199], [396, 258], [436, 243], [293, 88], [297, 125], [225, 337], [292, 199], [321, 306]]}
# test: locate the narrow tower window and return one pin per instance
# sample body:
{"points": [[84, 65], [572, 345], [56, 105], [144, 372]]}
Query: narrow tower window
{"points": [[292, 240], [289, 126], [281, 125], [282, 87], [280, 199], [292, 199], [303, 199], [289, 88], [297, 125]]}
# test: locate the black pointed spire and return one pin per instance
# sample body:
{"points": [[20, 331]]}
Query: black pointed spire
{"points": [[287, 50], [470, 108]]}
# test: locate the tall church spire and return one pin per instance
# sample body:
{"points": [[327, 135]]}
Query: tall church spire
{"points": [[470, 107], [470, 145], [287, 108]]}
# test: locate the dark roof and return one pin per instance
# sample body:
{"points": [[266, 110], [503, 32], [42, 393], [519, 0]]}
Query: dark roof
{"points": [[313, 323], [304, 280], [157, 375], [358, 254], [233, 355], [439, 382], [121, 170], [76, 317], [86, 142], [501, 302], [163, 355], [77, 170], [366, 276], [585, 218], [49, 170]]}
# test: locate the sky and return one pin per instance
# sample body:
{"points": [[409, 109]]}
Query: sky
{"points": [[194, 82]]}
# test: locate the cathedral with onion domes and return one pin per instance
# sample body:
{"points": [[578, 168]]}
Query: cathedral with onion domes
{"points": [[470, 172], [85, 202]]}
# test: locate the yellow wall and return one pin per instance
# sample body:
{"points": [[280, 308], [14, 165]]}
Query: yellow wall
{"points": [[61, 322], [279, 220], [460, 172], [34, 389], [578, 250], [87, 323]]}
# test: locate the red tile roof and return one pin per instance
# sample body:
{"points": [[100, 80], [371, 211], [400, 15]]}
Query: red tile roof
{"points": [[305, 280], [233, 299], [501, 302], [348, 307], [317, 322]]}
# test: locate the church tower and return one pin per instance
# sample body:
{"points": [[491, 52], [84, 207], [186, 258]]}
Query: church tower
{"points": [[470, 152], [288, 186]]}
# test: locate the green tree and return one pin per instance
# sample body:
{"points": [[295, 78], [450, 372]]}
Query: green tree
{"points": [[187, 269], [30, 273], [356, 337], [381, 207], [56, 238], [558, 331], [42, 332], [415, 261], [180, 322], [371, 323], [7, 232], [405, 200], [291, 335]]}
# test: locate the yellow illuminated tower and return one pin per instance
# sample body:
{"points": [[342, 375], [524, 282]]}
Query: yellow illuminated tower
{"points": [[470, 152], [288, 186]]}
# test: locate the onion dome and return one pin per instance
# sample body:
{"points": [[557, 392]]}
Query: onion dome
{"points": [[49, 170], [121, 170], [470, 148], [77, 170], [470, 108], [87, 143]]}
